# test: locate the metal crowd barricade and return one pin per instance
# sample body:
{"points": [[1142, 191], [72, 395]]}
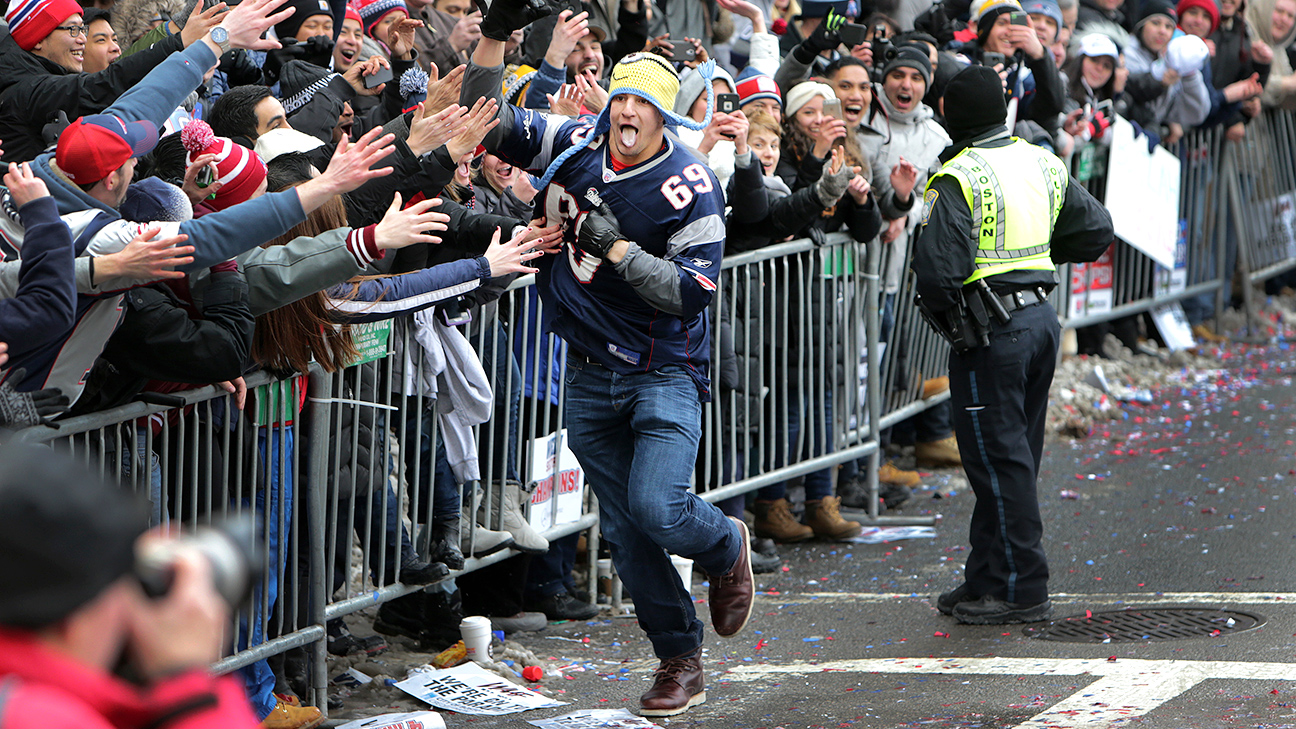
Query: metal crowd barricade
{"points": [[1261, 189], [1136, 282], [338, 467]]}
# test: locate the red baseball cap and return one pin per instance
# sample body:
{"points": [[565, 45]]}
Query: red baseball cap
{"points": [[95, 146]]}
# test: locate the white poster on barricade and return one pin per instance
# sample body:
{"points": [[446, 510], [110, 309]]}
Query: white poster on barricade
{"points": [[412, 720], [556, 478], [1170, 280], [471, 689], [594, 719], [1173, 325], [1091, 286], [1149, 222]]}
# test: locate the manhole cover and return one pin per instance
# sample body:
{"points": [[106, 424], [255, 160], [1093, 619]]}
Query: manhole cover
{"points": [[1148, 624]]}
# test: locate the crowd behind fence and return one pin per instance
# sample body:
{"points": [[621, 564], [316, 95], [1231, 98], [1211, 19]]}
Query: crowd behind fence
{"points": [[807, 367]]}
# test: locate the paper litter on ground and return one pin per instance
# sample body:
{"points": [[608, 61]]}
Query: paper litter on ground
{"points": [[595, 719], [412, 720], [878, 535], [470, 689]]}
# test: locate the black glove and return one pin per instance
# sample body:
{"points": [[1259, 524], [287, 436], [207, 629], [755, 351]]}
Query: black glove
{"points": [[239, 69], [24, 409], [598, 231], [277, 58], [824, 37], [51, 132], [505, 16]]}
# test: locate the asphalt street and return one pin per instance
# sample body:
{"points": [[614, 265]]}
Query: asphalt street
{"points": [[1187, 502]]}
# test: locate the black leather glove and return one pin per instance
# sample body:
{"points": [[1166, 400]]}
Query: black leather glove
{"points": [[824, 37], [277, 58], [239, 69], [25, 409], [505, 16], [598, 231]]}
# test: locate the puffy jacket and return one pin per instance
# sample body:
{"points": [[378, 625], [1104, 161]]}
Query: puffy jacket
{"points": [[33, 90], [1186, 103]]}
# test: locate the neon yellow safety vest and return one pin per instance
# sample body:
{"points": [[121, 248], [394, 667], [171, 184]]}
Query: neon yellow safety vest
{"points": [[1015, 193]]}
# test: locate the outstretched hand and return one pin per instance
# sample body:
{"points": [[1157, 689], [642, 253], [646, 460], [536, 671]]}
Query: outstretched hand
{"points": [[480, 120], [351, 166], [402, 227], [511, 256], [146, 258]]}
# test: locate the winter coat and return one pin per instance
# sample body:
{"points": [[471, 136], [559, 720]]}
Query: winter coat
{"points": [[33, 90], [42, 307], [1187, 103], [916, 137], [1258, 18], [162, 337], [45, 688]]}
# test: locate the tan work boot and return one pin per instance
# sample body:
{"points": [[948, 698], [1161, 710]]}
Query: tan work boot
{"points": [[287, 716], [934, 387], [823, 516], [774, 520], [1203, 332], [943, 453], [891, 474]]}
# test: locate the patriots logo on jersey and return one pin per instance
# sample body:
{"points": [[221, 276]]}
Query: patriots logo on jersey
{"points": [[701, 262]]}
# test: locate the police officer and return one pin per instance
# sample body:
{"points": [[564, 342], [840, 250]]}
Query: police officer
{"points": [[997, 218]]}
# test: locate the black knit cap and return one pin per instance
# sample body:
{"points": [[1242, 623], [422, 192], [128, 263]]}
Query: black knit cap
{"points": [[914, 57], [1156, 7], [974, 103], [305, 9], [65, 535]]}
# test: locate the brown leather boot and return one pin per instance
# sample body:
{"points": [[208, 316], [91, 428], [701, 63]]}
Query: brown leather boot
{"points": [[890, 473], [774, 520], [943, 453], [933, 387], [677, 685], [731, 594], [824, 517], [287, 716]]}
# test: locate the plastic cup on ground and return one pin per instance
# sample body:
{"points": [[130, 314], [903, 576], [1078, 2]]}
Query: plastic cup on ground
{"points": [[685, 569], [476, 631]]}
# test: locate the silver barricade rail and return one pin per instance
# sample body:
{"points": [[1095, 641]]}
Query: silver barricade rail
{"points": [[1127, 281], [339, 467]]}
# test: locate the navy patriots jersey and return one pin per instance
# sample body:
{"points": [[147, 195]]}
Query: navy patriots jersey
{"points": [[670, 205]]}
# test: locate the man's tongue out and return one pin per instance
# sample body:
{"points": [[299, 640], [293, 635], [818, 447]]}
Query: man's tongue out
{"points": [[628, 136]]}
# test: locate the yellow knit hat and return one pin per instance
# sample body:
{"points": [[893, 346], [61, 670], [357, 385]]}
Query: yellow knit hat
{"points": [[648, 76]]}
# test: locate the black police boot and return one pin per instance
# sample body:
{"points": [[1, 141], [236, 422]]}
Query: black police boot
{"points": [[445, 542]]}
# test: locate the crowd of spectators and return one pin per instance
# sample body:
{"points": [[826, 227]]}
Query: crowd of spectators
{"points": [[195, 191]]}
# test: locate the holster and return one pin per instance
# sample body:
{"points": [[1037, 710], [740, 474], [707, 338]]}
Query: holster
{"points": [[966, 324]]}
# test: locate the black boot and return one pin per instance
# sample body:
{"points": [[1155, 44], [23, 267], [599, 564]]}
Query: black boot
{"points": [[443, 611], [406, 616], [445, 542]]}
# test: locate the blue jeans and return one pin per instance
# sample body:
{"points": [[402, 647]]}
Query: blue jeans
{"points": [[636, 437], [818, 484]]}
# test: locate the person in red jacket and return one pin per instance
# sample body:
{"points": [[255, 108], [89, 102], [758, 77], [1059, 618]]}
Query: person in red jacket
{"points": [[72, 609]]}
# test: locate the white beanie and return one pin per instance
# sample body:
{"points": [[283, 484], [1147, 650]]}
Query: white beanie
{"points": [[278, 142], [803, 93]]}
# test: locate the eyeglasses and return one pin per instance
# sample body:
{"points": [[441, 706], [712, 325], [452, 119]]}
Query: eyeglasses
{"points": [[73, 30]]}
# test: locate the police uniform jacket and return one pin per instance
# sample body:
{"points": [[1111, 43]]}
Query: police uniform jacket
{"points": [[944, 259]]}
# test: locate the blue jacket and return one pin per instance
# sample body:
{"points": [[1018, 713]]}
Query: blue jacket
{"points": [[43, 308]]}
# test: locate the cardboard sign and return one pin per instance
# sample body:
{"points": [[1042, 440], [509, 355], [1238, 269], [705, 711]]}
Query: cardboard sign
{"points": [[1091, 286], [371, 339], [1150, 223], [594, 719], [557, 482], [1173, 325], [471, 689], [412, 720], [1170, 280]]}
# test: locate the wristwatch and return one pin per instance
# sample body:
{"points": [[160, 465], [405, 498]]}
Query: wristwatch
{"points": [[220, 37]]}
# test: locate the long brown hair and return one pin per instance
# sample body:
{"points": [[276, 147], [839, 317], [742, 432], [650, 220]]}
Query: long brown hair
{"points": [[798, 143], [288, 338]]}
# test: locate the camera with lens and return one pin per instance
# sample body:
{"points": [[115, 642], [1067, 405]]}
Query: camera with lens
{"points": [[229, 546], [883, 51]]}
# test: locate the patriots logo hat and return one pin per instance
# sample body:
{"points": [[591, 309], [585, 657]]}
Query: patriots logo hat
{"points": [[95, 146]]}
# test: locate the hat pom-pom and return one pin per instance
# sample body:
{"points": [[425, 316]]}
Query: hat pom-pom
{"points": [[412, 82], [707, 70], [197, 136], [779, 26]]}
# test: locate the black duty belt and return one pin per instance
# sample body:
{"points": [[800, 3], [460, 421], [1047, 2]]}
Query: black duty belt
{"points": [[1023, 298]]}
